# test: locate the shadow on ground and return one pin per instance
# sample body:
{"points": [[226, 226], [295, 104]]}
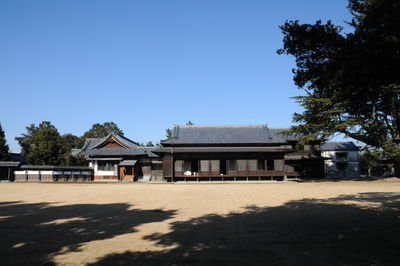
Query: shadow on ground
{"points": [[30, 234], [362, 229]]}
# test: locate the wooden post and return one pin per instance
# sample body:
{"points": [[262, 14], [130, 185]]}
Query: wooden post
{"points": [[173, 165]]}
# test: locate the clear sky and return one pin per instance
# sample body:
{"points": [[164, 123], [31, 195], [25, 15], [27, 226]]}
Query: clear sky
{"points": [[147, 65]]}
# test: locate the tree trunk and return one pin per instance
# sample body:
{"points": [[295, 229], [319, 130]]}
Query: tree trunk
{"points": [[397, 168]]}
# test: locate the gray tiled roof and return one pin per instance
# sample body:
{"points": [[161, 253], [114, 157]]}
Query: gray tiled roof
{"points": [[17, 157], [194, 134], [339, 146], [93, 146], [53, 167], [90, 143], [113, 151], [149, 151], [275, 131]]}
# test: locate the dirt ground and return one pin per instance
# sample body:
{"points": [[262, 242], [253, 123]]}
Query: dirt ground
{"points": [[277, 223]]}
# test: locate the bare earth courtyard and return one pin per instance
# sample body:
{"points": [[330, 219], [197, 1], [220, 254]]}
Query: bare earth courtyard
{"points": [[281, 223]]}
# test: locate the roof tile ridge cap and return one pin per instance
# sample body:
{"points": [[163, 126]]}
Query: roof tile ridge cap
{"points": [[123, 138], [85, 145], [268, 131], [176, 132]]}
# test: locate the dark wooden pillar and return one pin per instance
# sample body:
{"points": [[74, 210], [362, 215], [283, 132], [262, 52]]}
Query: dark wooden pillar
{"points": [[173, 165]]}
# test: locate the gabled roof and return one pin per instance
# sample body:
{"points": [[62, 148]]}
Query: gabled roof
{"points": [[247, 134], [120, 146], [17, 157], [339, 146], [113, 137]]}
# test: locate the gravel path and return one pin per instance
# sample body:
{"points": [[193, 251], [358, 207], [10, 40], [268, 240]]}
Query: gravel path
{"points": [[279, 223]]}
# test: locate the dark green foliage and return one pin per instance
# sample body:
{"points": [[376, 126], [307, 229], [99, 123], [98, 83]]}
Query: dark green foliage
{"points": [[70, 142], [368, 160], [102, 130], [168, 133], [42, 145], [149, 144], [4, 148], [351, 80], [75, 160]]}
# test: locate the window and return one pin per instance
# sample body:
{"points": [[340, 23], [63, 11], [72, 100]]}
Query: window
{"points": [[278, 165], [106, 165], [252, 165], [204, 165], [341, 156], [178, 166], [215, 165], [341, 166], [241, 165]]}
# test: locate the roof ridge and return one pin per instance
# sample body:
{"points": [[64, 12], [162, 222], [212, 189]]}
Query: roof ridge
{"points": [[124, 138], [258, 125], [120, 138], [339, 142]]}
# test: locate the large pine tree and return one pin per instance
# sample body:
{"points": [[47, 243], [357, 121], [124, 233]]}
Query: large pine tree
{"points": [[42, 145], [4, 148], [351, 80]]}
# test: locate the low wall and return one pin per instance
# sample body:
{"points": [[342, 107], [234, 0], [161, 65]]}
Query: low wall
{"points": [[53, 174]]}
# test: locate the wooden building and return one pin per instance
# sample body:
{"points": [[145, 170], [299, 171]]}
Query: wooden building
{"points": [[117, 158], [7, 170], [236, 153]]}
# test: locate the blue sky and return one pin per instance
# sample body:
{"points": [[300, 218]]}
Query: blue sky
{"points": [[147, 65]]}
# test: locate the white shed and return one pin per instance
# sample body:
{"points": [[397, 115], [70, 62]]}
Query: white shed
{"points": [[344, 159]]}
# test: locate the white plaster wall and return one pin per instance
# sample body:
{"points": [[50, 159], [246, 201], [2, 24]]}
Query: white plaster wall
{"points": [[352, 156], [330, 166], [104, 173], [353, 166], [107, 173], [329, 154]]}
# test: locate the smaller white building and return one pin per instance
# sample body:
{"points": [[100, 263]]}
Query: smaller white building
{"points": [[344, 159]]}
